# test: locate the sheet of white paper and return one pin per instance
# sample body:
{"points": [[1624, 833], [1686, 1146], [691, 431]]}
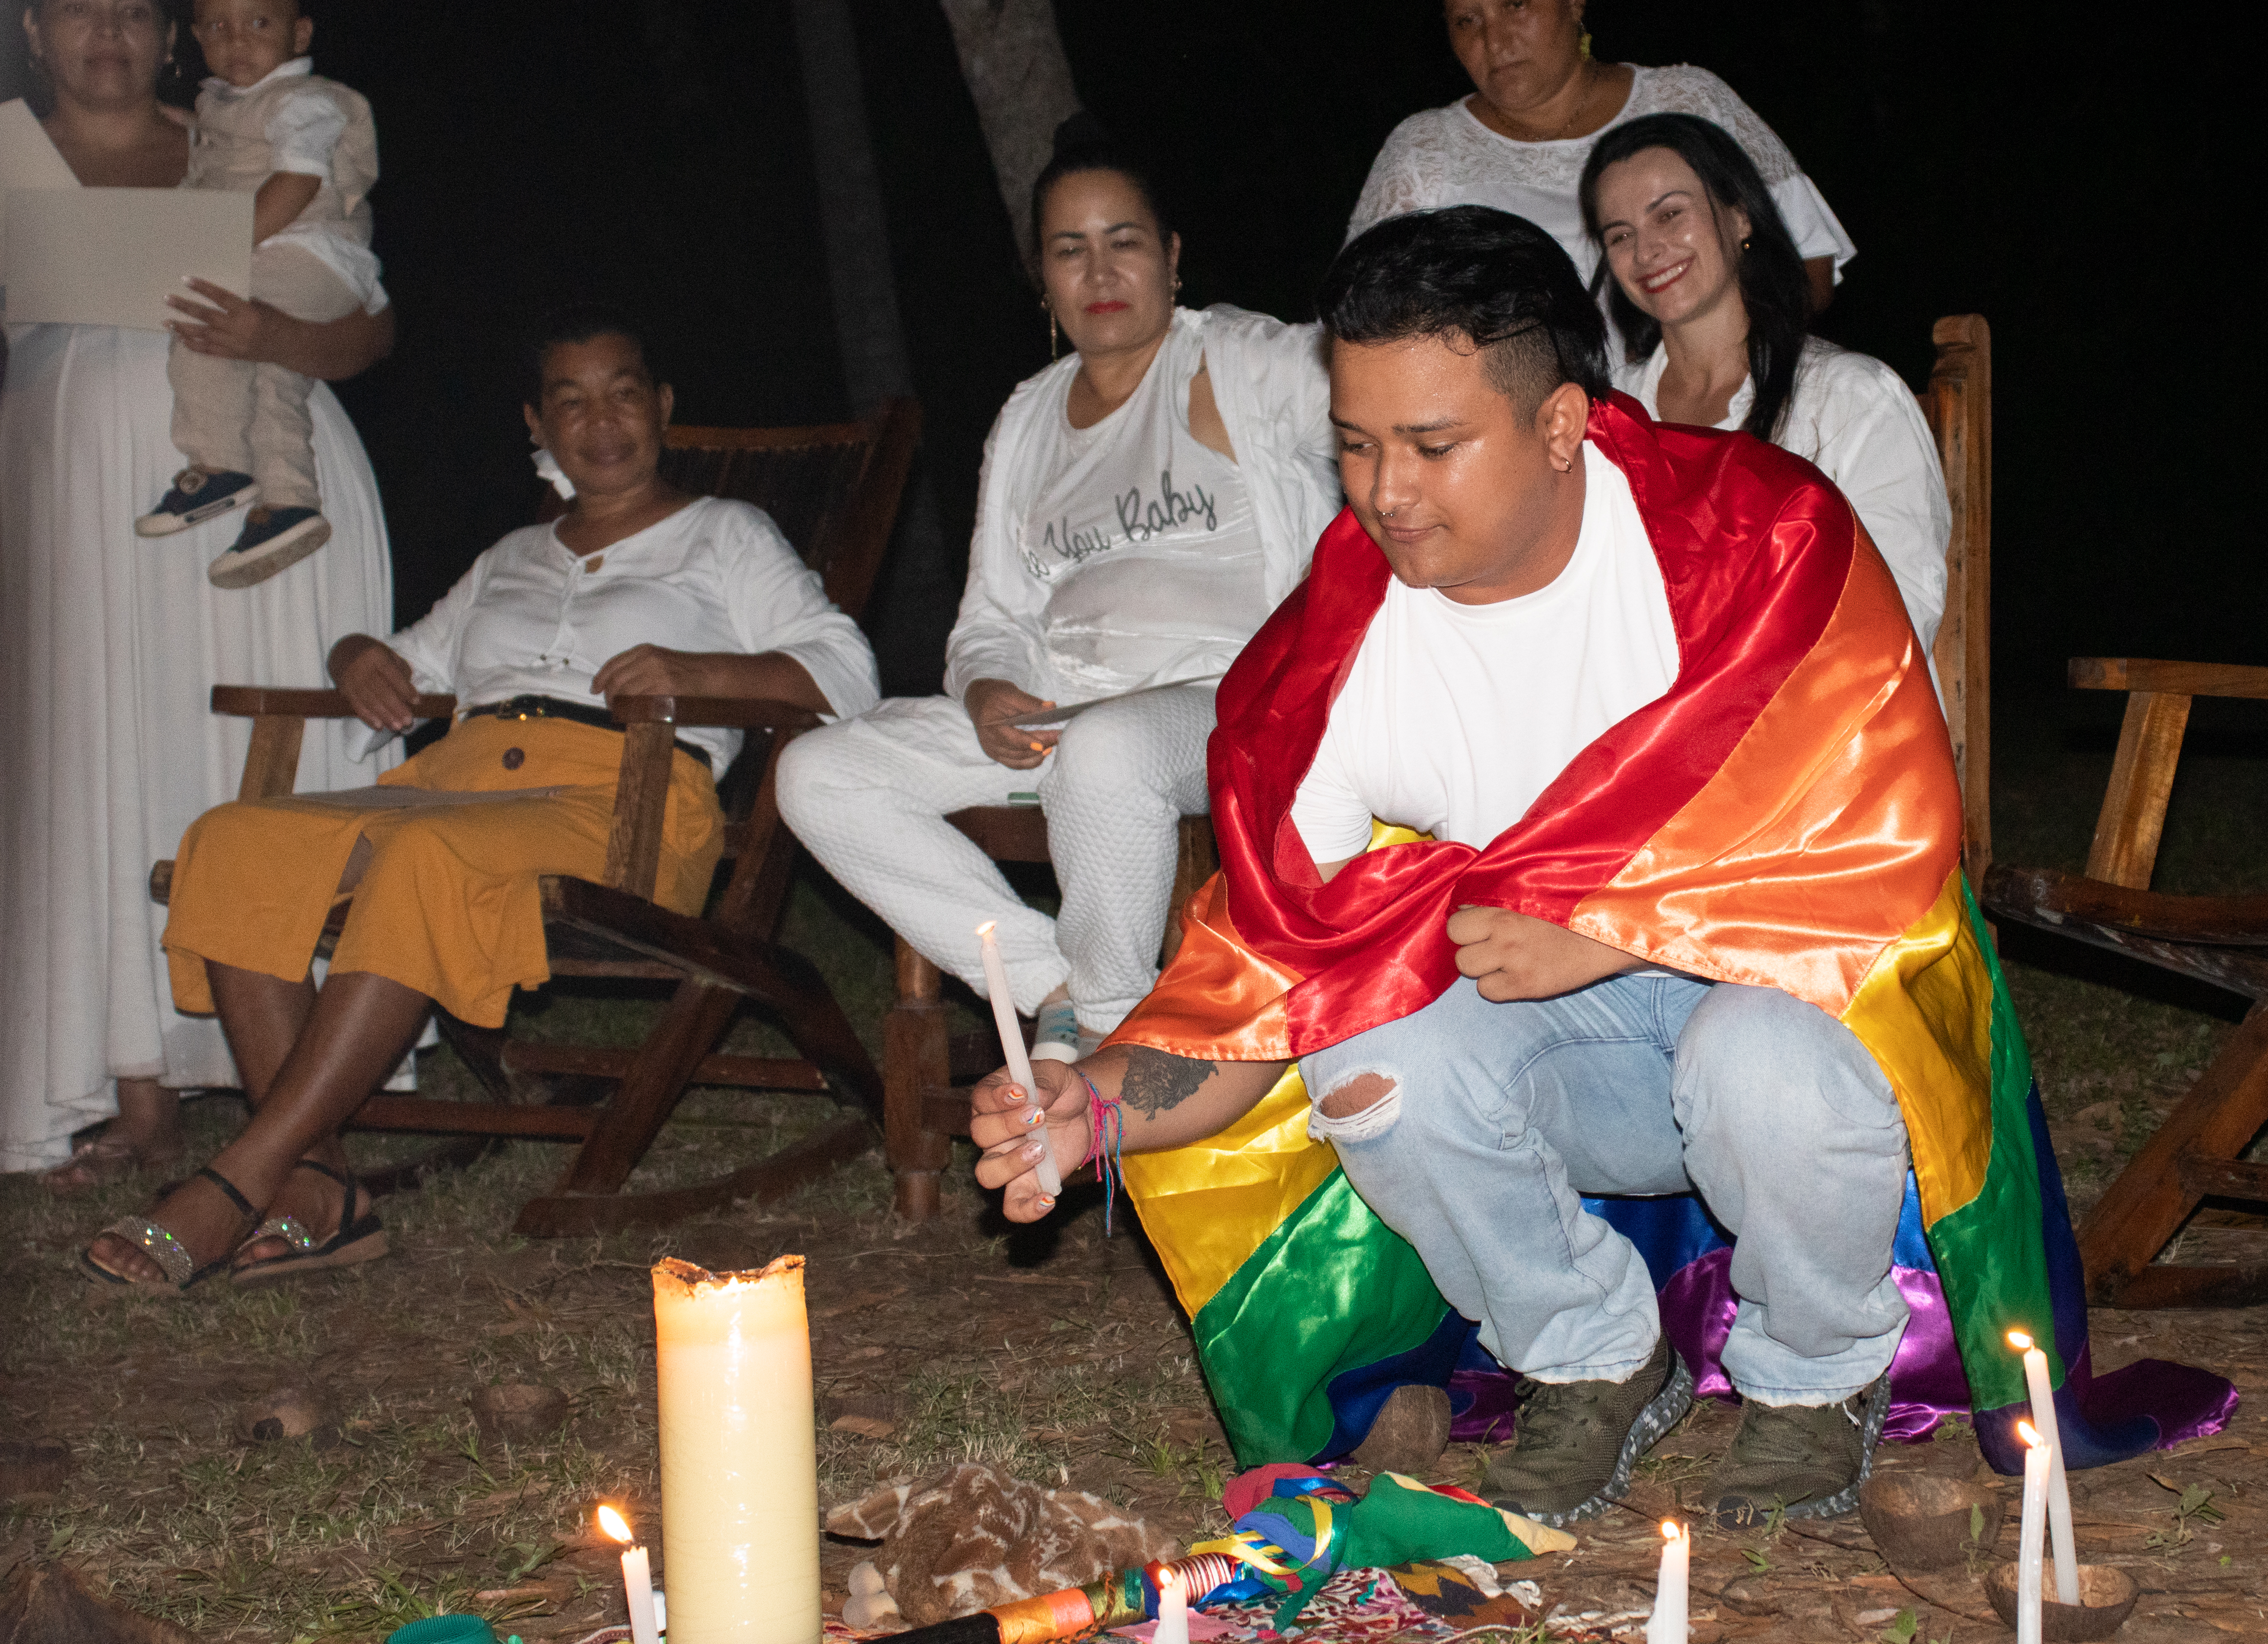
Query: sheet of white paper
{"points": [[1049, 718], [112, 256], [28, 159], [403, 797]]}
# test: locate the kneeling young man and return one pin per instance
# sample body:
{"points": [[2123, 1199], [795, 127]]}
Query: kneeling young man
{"points": [[1652, 696]]}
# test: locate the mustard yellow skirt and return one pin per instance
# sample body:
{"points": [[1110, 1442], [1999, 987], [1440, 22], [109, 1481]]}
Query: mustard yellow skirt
{"points": [[448, 904]]}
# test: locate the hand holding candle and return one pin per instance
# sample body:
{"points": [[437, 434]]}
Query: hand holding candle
{"points": [[1020, 1065], [1669, 1624], [2043, 1422], [638, 1580]]}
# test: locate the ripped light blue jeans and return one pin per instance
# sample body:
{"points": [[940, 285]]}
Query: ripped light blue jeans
{"points": [[1503, 1115]]}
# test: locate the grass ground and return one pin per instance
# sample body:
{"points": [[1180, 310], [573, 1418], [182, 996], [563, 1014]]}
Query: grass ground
{"points": [[1055, 1353]]}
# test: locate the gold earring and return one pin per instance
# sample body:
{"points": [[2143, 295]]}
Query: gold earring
{"points": [[1583, 46], [1055, 341]]}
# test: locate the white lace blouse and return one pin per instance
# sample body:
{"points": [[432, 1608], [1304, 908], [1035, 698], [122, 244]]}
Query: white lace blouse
{"points": [[1446, 157]]}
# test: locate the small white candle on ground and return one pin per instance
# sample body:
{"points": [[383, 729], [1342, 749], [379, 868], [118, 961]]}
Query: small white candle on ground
{"points": [[1172, 1608], [638, 1580], [2044, 1421], [2034, 1533], [1669, 1623], [1012, 1050]]}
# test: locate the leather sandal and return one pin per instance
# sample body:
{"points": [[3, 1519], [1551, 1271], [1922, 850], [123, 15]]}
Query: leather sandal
{"points": [[171, 1255], [359, 1238]]}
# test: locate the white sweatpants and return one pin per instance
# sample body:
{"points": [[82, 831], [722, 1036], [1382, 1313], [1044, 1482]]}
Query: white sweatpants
{"points": [[869, 796]]}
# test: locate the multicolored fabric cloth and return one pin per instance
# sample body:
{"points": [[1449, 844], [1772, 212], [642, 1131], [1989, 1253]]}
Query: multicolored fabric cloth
{"points": [[1788, 815]]}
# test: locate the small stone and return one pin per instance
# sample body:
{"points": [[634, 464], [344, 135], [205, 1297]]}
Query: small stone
{"points": [[288, 1413], [35, 1468], [1411, 1431], [518, 1410]]}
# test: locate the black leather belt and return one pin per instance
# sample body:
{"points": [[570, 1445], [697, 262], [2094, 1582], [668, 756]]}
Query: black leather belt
{"points": [[581, 713]]}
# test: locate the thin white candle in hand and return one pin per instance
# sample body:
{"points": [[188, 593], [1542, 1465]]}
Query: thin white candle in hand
{"points": [[1012, 1050], [1172, 1608], [1669, 1623], [2044, 1420], [2034, 1533], [638, 1580]]}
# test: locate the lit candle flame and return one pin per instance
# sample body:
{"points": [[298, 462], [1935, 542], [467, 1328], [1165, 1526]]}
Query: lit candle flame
{"points": [[1669, 1529], [2020, 1341], [986, 929], [613, 1523], [2029, 1434], [1168, 1578]]}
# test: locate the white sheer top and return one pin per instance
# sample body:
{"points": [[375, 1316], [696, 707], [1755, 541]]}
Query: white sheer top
{"points": [[1146, 542], [1446, 157], [1128, 554]]}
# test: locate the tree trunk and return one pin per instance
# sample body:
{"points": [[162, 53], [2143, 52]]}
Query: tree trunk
{"points": [[869, 330], [1013, 61]]}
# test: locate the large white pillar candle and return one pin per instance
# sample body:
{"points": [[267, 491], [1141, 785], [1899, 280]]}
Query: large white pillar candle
{"points": [[2043, 1419], [1011, 1051], [1672, 1597], [2034, 1532], [740, 1478]]}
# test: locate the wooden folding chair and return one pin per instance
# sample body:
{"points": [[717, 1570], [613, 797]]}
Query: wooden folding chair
{"points": [[835, 491], [2223, 940], [1957, 404]]}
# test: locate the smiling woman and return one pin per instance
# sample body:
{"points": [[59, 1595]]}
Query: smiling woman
{"points": [[1145, 502], [1711, 302], [547, 625], [1540, 101]]}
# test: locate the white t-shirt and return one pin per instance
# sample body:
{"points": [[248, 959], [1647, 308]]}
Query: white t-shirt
{"points": [[1145, 541], [1454, 717], [1446, 156], [531, 618], [1855, 419]]}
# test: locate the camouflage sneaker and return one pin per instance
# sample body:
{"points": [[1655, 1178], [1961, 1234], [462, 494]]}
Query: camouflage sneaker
{"points": [[1802, 1461], [1578, 1441]]}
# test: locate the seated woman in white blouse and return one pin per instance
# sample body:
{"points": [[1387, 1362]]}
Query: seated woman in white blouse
{"points": [[638, 589], [1709, 295], [1146, 502], [1539, 102]]}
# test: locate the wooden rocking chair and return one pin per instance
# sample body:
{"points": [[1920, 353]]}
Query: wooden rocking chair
{"points": [[928, 1072], [835, 491], [2218, 939]]}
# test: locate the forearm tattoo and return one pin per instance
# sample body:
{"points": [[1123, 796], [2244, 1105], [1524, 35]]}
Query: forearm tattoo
{"points": [[1156, 1081]]}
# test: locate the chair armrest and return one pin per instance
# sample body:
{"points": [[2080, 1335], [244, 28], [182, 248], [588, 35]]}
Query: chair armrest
{"points": [[260, 702], [743, 713], [2172, 679]]}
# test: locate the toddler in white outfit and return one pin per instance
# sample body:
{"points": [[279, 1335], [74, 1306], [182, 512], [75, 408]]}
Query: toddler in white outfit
{"points": [[307, 149]]}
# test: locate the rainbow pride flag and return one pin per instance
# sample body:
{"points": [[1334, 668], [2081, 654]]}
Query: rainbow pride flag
{"points": [[1787, 815]]}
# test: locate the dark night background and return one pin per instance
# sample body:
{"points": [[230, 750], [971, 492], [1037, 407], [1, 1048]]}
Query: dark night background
{"points": [[2064, 179]]}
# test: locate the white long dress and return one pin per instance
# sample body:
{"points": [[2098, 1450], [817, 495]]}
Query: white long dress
{"points": [[109, 647]]}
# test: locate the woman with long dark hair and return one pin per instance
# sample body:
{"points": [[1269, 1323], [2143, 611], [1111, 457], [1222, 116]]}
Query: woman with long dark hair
{"points": [[1710, 298], [1540, 99]]}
